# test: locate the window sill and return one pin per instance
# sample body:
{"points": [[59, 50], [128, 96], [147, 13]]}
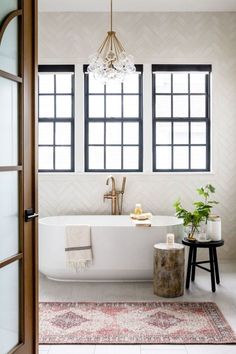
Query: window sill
{"points": [[78, 173]]}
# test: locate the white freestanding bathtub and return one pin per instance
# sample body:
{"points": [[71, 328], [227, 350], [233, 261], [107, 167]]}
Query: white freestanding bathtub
{"points": [[121, 251]]}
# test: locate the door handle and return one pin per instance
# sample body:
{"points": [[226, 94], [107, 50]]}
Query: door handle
{"points": [[30, 215]]}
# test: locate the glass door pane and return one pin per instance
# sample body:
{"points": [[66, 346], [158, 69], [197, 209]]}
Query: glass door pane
{"points": [[9, 307], [9, 48], [9, 230], [10, 252], [9, 44], [8, 123], [7, 6]]}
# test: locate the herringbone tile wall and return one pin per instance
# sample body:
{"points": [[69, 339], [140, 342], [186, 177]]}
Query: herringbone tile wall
{"points": [[152, 38]]}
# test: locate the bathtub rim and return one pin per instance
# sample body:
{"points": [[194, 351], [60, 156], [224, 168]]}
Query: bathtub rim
{"points": [[48, 220]]}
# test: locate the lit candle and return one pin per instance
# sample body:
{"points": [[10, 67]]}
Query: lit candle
{"points": [[170, 239]]}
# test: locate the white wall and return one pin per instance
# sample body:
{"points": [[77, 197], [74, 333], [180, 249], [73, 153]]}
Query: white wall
{"points": [[152, 38]]}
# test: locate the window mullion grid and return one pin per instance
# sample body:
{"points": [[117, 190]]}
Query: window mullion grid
{"points": [[154, 122], [208, 121], [122, 125], [54, 126], [189, 125], [121, 120], [172, 124], [105, 124], [189, 120], [86, 112], [54, 120], [72, 125], [140, 140], [58, 94]]}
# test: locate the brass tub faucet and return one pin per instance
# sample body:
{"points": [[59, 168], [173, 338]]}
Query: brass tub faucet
{"points": [[116, 196]]}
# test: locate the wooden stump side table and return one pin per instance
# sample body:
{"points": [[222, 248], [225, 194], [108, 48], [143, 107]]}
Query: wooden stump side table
{"points": [[168, 275], [193, 263]]}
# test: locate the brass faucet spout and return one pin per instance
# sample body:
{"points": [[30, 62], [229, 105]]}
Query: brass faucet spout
{"points": [[113, 184], [115, 195]]}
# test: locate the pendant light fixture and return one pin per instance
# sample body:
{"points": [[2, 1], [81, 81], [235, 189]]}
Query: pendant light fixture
{"points": [[111, 62]]}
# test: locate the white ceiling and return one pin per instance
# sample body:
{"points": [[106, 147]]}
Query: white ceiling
{"points": [[137, 5]]}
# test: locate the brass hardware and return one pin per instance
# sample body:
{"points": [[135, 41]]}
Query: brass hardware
{"points": [[122, 194], [116, 196]]}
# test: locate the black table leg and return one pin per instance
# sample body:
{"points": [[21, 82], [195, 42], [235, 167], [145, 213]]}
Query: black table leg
{"points": [[193, 263], [213, 286], [216, 265], [190, 256]]}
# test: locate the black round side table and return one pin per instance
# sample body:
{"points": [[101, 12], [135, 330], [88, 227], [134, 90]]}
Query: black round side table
{"points": [[192, 260]]}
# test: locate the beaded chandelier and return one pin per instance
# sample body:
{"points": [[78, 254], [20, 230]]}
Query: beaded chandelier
{"points": [[111, 62]]}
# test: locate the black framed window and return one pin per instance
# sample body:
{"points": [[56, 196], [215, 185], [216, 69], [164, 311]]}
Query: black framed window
{"points": [[181, 118], [56, 118], [113, 124]]}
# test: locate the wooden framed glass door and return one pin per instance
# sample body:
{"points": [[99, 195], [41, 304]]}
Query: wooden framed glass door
{"points": [[18, 181]]}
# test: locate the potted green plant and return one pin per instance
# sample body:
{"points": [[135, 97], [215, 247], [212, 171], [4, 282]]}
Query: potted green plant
{"points": [[200, 213]]}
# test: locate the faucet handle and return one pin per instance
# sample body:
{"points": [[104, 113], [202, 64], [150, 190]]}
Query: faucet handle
{"points": [[123, 185], [106, 196]]}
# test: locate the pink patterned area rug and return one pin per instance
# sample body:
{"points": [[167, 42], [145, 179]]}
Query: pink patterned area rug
{"points": [[133, 323]]}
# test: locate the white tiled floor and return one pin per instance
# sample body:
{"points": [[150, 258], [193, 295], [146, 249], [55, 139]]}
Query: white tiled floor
{"points": [[225, 297]]}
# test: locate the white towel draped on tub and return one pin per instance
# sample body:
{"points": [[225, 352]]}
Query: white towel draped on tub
{"points": [[78, 247]]}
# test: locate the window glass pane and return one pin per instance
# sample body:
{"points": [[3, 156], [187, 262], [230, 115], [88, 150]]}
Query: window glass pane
{"points": [[9, 307], [163, 133], [130, 158], [113, 87], [64, 106], [113, 106], [131, 133], [131, 83], [96, 158], [198, 133], [9, 216], [181, 95], [56, 101], [181, 157], [46, 83], [96, 133], [8, 122], [113, 158], [113, 133], [180, 106], [45, 158], [197, 83], [198, 157], [116, 100], [62, 158], [198, 106], [96, 106], [45, 133], [9, 48], [163, 106], [46, 106], [63, 133], [181, 133], [63, 83], [95, 86], [180, 83], [163, 157], [131, 106], [163, 83]]}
